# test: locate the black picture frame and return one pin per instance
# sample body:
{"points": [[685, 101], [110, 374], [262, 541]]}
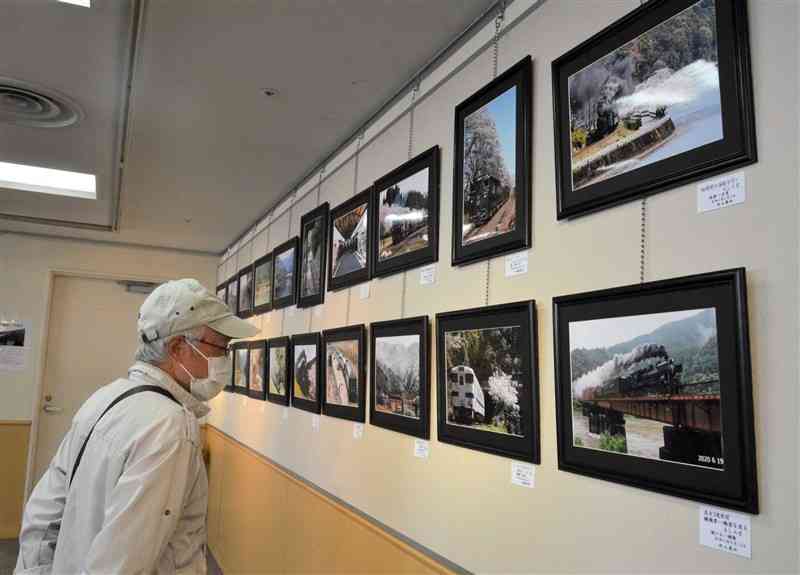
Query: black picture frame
{"points": [[312, 405], [735, 148], [316, 220], [281, 301], [222, 292], [357, 412], [284, 342], [520, 77], [521, 437], [245, 281], [363, 273], [232, 294], [384, 266], [241, 360], [263, 263], [418, 426], [686, 463], [257, 347]]}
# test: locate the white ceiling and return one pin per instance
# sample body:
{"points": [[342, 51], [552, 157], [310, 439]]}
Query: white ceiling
{"points": [[208, 151]]}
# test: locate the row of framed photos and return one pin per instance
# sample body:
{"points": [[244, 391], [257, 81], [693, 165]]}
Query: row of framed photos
{"points": [[660, 98], [653, 384]]}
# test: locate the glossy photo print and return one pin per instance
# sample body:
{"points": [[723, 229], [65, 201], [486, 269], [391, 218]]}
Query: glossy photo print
{"points": [[257, 363], [659, 98], [307, 385], [313, 251], [241, 352], [262, 284], [284, 279], [349, 242], [233, 294], [246, 292], [344, 372], [278, 370], [653, 387]]}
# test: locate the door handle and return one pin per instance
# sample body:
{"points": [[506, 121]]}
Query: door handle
{"points": [[51, 409]]}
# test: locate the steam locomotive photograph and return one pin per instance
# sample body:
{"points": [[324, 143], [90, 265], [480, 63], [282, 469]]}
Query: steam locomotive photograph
{"points": [[341, 373], [311, 264], [277, 370], [12, 333], [653, 98], [403, 212], [648, 386], [305, 372]]}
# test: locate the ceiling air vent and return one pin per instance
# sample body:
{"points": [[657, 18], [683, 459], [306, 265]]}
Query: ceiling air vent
{"points": [[24, 104]]}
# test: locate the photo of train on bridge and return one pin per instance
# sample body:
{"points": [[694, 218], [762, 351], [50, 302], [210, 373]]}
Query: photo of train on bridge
{"points": [[487, 384], [654, 389], [12, 333], [344, 374], [659, 98], [649, 386], [349, 240]]}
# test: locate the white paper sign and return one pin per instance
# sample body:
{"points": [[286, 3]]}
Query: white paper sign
{"points": [[315, 422], [523, 474], [358, 430], [285, 415], [516, 264], [422, 448], [427, 275], [13, 358], [15, 341], [725, 531], [363, 292], [721, 192]]}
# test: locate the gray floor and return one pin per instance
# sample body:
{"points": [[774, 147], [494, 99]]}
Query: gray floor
{"points": [[9, 549]]}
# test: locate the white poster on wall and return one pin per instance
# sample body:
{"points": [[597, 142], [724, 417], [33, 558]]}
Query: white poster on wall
{"points": [[15, 343]]}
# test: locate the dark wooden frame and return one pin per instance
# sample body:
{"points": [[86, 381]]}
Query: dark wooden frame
{"points": [[224, 287], [257, 345], [419, 326], [248, 271], [291, 299], [523, 313], [320, 212], [428, 159], [362, 275], [235, 347], [302, 403], [263, 308], [351, 332], [280, 398], [233, 281], [520, 76], [735, 485], [736, 149]]}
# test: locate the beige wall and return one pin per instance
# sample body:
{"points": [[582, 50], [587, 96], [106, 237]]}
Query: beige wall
{"points": [[460, 503]]}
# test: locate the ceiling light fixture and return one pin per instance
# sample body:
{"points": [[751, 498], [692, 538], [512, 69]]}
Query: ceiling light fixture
{"points": [[84, 3], [48, 181], [269, 92]]}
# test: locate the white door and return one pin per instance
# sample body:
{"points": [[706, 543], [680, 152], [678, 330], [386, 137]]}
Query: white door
{"points": [[91, 340]]}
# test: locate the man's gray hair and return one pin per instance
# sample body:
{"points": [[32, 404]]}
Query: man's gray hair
{"points": [[155, 352]]}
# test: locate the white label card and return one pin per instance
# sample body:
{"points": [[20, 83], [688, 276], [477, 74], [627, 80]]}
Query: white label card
{"points": [[285, 416], [721, 192], [427, 275], [516, 264], [315, 422], [358, 430], [523, 474], [13, 358], [725, 531], [422, 448], [363, 291]]}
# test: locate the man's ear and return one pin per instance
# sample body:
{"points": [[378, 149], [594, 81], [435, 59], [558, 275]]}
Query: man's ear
{"points": [[173, 347]]}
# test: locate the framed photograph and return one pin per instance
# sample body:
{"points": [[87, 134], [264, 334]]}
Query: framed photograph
{"points": [[658, 99], [284, 274], [313, 251], [488, 386], [233, 294], [262, 284], [405, 218], [492, 168], [345, 372], [279, 353], [241, 367], [306, 372], [257, 367], [653, 387], [222, 292], [349, 242], [400, 376], [246, 292]]}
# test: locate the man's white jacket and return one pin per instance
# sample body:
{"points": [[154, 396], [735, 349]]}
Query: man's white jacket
{"points": [[138, 501]]}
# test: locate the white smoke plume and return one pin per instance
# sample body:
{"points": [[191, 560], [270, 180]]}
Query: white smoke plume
{"points": [[616, 366]]}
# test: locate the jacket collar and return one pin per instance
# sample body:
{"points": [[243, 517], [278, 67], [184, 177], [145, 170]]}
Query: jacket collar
{"points": [[153, 374]]}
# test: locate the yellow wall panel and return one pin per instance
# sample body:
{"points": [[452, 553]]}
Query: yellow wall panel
{"points": [[263, 520], [14, 436]]}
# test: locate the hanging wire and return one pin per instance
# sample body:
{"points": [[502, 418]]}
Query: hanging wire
{"points": [[498, 25], [412, 106], [359, 140], [319, 195], [643, 246], [288, 236]]}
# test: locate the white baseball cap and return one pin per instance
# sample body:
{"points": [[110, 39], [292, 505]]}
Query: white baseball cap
{"points": [[181, 305]]}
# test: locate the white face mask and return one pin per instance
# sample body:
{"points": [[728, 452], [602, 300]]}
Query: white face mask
{"points": [[219, 374]]}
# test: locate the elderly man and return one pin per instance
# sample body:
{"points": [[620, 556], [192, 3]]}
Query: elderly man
{"points": [[127, 491]]}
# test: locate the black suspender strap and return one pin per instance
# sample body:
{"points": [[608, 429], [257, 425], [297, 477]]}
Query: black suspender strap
{"points": [[132, 391]]}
